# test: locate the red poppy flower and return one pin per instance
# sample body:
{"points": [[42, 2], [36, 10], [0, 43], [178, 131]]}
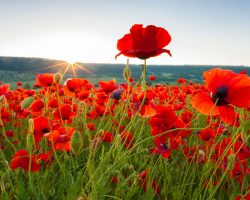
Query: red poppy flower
{"points": [[41, 126], [9, 133], [22, 159], [206, 134], [148, 107], [163, 150], [61, 138], [76, 85], [4, 89], [37, 106], [44, 80], [107, 137], [64, 112], [152, 78], [91, 126], [181, 80], [144, 43], [224, 88], [19, 83], [53, 103], [108, 86]]}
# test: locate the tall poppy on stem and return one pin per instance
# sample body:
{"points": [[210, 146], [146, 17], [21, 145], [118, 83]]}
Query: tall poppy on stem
{"points": [[225, 89], [144, 43]]}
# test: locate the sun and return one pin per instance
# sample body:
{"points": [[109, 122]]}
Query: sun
{"points": [[71, 61]]}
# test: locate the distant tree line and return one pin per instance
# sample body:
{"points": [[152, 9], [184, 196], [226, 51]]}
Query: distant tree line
{"points": [[25, 69]]}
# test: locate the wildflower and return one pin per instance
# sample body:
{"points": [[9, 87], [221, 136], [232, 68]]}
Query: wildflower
{"points": [[152, 78], [206, 134], [108, 86], [37, 105], [41, 126], [163, 150], [19, 84], [74, 86], [225, 88], [116, 94], [22, 159], [61, 138], [144, 43], [181, 81], [44, 80], [64, 112]]}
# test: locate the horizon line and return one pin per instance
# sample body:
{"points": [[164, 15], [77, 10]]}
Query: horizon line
{"points": [[55, 59]]}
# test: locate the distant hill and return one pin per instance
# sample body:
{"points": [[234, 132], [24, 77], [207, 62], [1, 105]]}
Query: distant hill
{"points": [[13, 69]]}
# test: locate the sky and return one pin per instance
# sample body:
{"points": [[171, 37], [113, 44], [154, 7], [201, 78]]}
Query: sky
{"points": [[204, 32]]}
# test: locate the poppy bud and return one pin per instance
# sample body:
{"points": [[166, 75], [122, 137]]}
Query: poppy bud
{"points": [[52, 191], [231, 162], [81, 106], [27, 102], [131, 167], [57, 78], [31, 126], [127, 72], [201, 153], [30, 142], [76, 142], [2, 98]]}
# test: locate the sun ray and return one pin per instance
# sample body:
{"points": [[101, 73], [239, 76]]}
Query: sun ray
{"points": [[74, 71], [83, 68], [66, 70], [74, 66]]}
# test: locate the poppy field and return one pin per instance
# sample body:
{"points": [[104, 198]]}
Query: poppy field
{"points": [[134, 140]]}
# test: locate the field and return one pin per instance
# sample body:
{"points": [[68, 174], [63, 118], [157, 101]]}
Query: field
{"points": [[136, 138]]}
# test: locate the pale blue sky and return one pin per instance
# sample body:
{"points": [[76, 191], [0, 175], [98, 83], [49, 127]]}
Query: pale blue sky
{"points": [[203, 32]]}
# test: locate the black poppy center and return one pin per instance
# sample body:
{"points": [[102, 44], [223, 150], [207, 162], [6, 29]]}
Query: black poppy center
{"points": [[163, 147], [45, 130], [220, 95]]}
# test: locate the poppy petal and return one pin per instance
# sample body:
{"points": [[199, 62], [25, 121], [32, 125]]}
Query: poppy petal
{"points": [[150, 37], [163, 38], [239, 93], [227, 114], [125, 43], [217, 77], [137, 36], [203, 103]]}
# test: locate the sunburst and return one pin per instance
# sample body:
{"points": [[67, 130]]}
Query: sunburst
{"points": [[70, 65]]}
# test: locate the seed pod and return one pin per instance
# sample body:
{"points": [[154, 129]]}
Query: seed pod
{"points": [[127, 72], [31, 126], [27, 102], [76, 142], [57, 78]]}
